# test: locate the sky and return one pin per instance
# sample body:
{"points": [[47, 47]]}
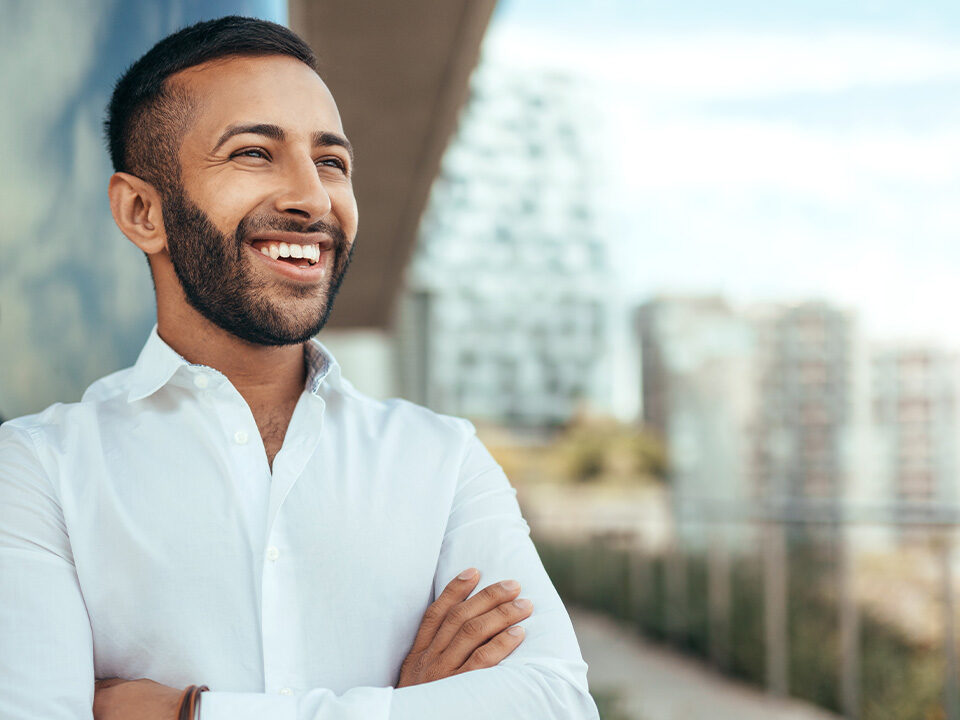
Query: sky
{"points": [[770, 151]]}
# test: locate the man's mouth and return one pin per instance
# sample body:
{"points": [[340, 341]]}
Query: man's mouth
{"points": [[300, 255]]}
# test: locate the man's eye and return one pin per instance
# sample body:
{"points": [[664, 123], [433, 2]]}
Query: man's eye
{"points": [[333, 162], [252, 153]]}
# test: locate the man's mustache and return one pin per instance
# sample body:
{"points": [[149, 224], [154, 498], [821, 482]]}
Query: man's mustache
{"points": [[249, 227]]}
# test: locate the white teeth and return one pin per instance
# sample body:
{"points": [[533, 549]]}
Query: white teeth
{"points": [[310, 253]]}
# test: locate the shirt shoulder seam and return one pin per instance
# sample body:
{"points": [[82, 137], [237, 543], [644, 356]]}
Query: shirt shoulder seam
{"points": [[32, 433]]}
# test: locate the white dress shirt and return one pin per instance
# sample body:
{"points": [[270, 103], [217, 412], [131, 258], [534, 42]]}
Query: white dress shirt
{"points": [[143, 534]]}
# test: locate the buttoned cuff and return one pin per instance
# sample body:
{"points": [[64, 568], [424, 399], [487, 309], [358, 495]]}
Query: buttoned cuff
{"points": [[247, 706], [364, 703]]}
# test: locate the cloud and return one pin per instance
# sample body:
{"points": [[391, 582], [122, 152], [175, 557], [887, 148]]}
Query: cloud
{"points": [[724, 64], [709, 191]]}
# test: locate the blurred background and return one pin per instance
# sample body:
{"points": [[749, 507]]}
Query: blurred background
{"points": [[690, 267]]}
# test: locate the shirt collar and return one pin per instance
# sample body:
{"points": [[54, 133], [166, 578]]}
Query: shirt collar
{"points": [[158, 363]]}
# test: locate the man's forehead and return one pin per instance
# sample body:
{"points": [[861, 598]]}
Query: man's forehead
{"points": [[276, 89]]}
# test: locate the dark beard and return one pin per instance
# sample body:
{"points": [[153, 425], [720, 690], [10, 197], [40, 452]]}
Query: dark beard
{"points": [[217, 280]]}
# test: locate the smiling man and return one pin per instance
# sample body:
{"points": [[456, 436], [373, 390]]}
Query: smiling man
{"points": [[229, 512]]}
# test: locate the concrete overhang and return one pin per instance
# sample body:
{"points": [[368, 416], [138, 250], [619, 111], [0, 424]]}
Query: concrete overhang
{"points": [[399, 72]]}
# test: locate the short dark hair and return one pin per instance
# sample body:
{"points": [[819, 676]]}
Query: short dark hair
{"points": [[146, 117]]}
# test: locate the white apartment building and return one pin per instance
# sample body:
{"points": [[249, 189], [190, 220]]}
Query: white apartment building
{"points": [[766, 403], [915, 391], [507, 313], [698, 371], [812, 425]]}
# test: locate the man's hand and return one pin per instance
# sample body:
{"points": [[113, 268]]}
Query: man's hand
{"points": [[116, 699], [458, 635]]}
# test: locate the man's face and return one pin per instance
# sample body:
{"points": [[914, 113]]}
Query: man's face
{"points": [[260, 228]]}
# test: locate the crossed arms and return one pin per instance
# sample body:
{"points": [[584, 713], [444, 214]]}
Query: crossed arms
{"points": [[46, 642]]}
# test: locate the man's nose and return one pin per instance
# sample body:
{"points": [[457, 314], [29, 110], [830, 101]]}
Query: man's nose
{"points": [[304, 193]]}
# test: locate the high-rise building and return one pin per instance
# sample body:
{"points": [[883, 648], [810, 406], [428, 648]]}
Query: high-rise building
{"points": [[812, 415], [767, 402], [916, 426], [698, 391], [785, 407], [506, 316]]}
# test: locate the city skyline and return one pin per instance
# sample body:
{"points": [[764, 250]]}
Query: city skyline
{"points": [[771, 153]]}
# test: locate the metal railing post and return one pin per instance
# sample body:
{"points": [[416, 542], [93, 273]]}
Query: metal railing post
{"points": [[950, 700], [849, 626], [676, 587], [718, 596], [775, 607], [642, 586]]}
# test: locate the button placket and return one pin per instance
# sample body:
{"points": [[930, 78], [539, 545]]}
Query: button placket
{"points": [[276, 608]]}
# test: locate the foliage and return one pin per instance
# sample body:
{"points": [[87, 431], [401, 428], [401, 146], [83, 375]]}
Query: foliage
{"points": [[609, 704], [901, 679], [589, 449], [603, 448]]}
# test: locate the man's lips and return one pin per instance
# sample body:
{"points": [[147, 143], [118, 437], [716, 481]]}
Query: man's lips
{"points": [[292, 238], [291, 267]]}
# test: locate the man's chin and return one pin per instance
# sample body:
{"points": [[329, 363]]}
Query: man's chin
{"points": [[270, 330], [292, 333], [269, 338]]}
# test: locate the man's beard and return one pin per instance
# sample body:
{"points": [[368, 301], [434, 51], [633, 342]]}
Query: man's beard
{"points": [[219, 283]]}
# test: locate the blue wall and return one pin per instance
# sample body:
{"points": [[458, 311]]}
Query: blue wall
{"points": [[76, 301]]}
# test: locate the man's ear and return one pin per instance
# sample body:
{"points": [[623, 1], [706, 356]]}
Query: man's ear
{"points": [[135, 205]]}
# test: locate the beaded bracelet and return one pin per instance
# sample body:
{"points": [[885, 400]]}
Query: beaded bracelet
{"points": [[190, 702]]}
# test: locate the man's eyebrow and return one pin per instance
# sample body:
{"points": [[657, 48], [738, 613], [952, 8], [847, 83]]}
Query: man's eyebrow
{"points": [[326, 139], [274, 132]]}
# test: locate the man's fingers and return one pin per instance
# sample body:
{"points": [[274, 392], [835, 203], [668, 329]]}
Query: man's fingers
{"points": [[484, 601], [456, 591], [478, 627], [493, 652], [476, 632]]}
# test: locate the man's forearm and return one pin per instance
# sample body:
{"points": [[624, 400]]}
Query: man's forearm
{"points": [[506, 692]]}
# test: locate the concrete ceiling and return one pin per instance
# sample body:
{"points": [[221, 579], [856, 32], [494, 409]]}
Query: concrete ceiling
{"points": [[399, 72]]}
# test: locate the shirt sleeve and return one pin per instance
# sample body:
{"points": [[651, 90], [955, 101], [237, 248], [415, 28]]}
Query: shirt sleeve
{"points": [[46, 646], [544, 678]]}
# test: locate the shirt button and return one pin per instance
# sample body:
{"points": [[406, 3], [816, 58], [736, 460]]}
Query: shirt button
{"points": [[272, 553], [286, 691], [201, 381], [240, 437]]}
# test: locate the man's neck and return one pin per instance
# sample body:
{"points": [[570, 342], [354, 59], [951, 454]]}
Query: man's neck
{"points": [[264, 375]]}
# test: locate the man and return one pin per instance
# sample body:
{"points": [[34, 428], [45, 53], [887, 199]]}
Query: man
{"points": [[230, 511]]}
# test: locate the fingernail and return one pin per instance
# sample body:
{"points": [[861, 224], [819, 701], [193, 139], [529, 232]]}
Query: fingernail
{"points": [[515, 630], [523, 603], [468, 574], [510, 585]]}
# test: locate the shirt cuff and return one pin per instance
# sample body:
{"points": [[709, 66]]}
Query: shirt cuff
{"points": [[365, 703], [247, 706]]}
